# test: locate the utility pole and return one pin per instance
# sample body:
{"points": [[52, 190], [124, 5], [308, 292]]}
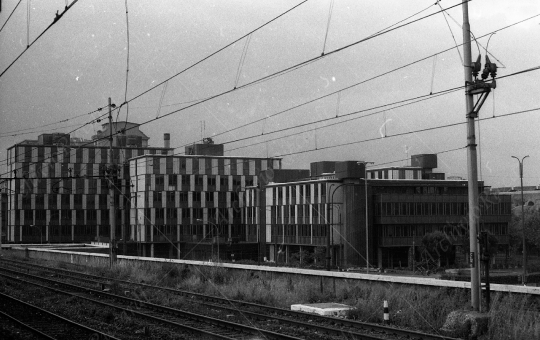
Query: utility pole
{"points": [[524, 278], [112, 203], [482, 88], [261, 207], [472, 171]]}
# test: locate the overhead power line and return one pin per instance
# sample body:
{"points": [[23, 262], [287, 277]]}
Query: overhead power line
{"points": [[56, 19], [404, 102], [404, 133], [17, 5], [223, 93], [14, 132], [258, 80], [193, 65], [219, 50]]}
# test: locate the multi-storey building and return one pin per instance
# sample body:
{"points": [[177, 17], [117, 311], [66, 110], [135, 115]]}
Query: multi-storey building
{"points": [[57, 191], [188, 206], [358, 218]]}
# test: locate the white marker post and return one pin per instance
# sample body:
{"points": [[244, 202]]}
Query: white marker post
{"points": [[386, 318]]}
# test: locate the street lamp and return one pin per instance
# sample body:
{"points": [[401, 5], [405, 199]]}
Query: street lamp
{"points": [[332, 223], [217, 232], [367, 220], [40, 232], [524, 279]]}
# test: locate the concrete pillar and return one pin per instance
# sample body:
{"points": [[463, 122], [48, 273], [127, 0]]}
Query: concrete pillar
{"points": [[152, 250], [178, 254], [380, 257]]}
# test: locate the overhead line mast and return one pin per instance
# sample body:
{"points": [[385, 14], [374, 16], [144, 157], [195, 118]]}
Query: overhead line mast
{"points": [[481, 88]]}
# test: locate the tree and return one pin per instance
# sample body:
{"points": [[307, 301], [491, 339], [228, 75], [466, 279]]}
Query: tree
{"points": [[493, 244], [532, 229], [436, 246]]}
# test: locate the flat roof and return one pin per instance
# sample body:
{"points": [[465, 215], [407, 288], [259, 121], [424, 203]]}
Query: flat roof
{"points": [[90, 146], [203, 156], [381, 182]]}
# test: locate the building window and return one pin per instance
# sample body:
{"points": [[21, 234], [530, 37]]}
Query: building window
{"points": [[173, 180], [186, 180], [28, 216], [102, 201], [183, 197], [157, 196], [77, 200], [199, 180], [212, 181], [197, 213], [196, 196], [66, 215], [222, 196], [170, 196], [91, 215], [172, 213]]}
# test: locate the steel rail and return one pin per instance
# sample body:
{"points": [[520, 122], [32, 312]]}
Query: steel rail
{"points": [[155, 312], [235, 304], [43, 326]]}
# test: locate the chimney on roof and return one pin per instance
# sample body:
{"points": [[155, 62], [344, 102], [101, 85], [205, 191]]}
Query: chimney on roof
{"points": [[167, 140]]}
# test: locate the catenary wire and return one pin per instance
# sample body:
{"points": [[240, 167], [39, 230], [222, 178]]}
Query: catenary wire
{"points": [[375, 77], [219, 50], [417, 99], [505, 76], [56, 19], [54, 123], [289, 69], [406, 133], [270, 76], [193, 65], [127, 65], [18, 3], [405, 102], [450, 29], [209, 98]]}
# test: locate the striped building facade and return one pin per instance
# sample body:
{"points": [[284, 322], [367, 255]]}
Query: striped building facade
{"points": [[57, 190], [181, 204], [351, 219]]}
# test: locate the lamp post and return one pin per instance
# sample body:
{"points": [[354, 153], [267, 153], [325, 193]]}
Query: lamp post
{"points": [[217, 232], [367, 220], [40, 232], [332, 223], [524, 279]]}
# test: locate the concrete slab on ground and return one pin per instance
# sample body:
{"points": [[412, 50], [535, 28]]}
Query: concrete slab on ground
{"points": [[325, 309]]}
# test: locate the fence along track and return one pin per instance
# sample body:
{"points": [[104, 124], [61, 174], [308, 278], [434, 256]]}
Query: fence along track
{"points": [[174, 318], [337, 326], [44, 324]]}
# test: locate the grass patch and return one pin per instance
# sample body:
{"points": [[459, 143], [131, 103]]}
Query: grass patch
{"points": [[416, 307]]}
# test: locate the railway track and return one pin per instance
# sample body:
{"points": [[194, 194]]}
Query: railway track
{"points": [[241, 311], [194, 325], [43, 324]]}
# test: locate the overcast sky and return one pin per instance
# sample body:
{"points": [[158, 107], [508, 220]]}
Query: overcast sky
{"points": [[81, 61]]}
